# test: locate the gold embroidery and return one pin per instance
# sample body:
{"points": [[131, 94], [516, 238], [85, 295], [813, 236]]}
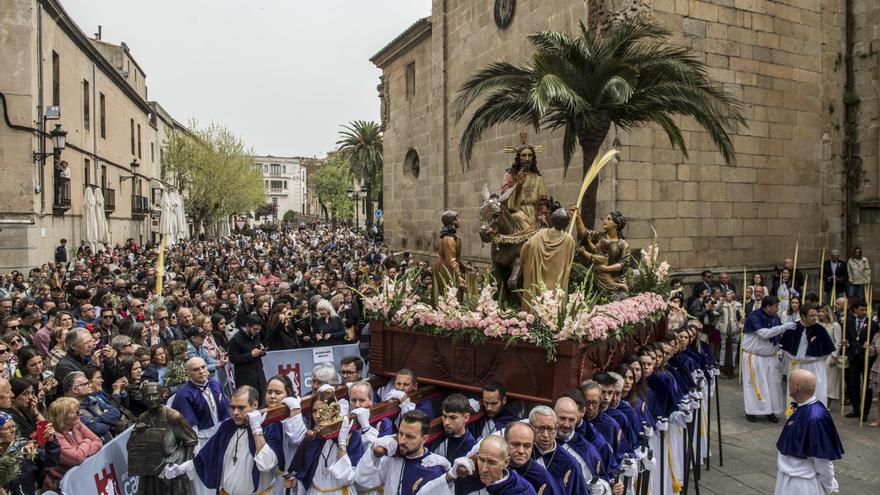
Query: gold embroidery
{"points": [[565, 478], [415, 486], [541, 490]]}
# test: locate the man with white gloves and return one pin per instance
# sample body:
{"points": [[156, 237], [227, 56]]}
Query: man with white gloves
{"points": [[405, 383], [760, 368], [402, 463], [236, 460]]}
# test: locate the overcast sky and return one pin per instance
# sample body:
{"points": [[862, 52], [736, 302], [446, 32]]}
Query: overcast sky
{"points": [[283, 74]]}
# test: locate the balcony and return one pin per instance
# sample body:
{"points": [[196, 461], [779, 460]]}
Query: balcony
{"points": [[61, 201], [140, 206], [276, 191], [109, 200]]}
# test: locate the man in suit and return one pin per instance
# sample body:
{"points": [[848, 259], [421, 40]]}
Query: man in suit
{"points": [[755, 302], [725, 284], [857, 334], [836, 275]]}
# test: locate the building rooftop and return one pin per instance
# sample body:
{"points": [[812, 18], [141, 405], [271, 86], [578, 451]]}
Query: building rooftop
{"points": [[403, 42]]}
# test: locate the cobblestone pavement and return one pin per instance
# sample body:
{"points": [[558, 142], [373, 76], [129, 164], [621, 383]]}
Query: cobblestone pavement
{"points": [[750, 452]]}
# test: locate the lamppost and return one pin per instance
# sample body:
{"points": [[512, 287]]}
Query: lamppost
{"points": [[59, 141], [356, 197]]}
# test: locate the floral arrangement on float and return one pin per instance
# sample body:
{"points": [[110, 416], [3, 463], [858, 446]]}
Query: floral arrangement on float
{"points": [[581, 315]]}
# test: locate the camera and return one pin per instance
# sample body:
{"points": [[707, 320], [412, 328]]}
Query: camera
{"points": [[46, 375]]}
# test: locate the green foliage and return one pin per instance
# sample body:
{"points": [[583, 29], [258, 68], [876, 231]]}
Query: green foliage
{"points": [[361, 144], [331, 183], [216, 170], [629, 77], [289, 216]]}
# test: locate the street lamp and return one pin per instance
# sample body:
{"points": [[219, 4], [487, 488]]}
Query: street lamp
{"points": [[355, 196], [59, 141], [135, 166]]}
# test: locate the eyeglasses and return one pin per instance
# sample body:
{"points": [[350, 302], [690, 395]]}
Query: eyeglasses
{"points": [[3, 351], [107, 316], [163, 318], [81, 384], [545, 429], [11, 327], [347, 373], [15, 341]]}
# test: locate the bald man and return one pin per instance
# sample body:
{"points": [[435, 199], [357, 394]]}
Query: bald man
{"points": [[809, 442], [204, 405], [567, 417], [493, 473]]}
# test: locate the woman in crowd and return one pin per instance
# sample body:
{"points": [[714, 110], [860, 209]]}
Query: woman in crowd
{"points": [[10, 444], [75, 441], [59, 348], [218, 329], [132, 399], [31, 367], [792, 311], [14, 342], [859, 272], [24, 410], [210, 345], [327, 328], [282, 334], [7, 365], [157, 368], [828, 320], [96, 382], [677, 317], [757, 280], [262, 309]]}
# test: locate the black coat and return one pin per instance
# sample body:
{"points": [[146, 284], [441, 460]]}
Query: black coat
{"points": [[282, 337], [841, 273], [248, 369], [334, 327]]}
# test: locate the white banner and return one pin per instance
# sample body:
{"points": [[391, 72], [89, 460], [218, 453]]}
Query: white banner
{"points": [[299, 362], [105, 473]]}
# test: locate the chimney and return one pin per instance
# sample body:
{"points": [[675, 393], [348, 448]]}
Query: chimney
{"points": [[98, 34]]}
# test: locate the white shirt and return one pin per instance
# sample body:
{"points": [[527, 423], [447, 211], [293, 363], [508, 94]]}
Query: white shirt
{"points": [[237, 476]]}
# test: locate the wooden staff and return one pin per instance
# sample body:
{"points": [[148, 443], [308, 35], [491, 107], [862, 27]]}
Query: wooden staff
{"points": [[793, 269], [870, 297], [822, 278], [841, 354], [742, 328]]}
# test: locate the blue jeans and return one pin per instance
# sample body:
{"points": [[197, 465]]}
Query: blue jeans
{"points": [[855, 291]]}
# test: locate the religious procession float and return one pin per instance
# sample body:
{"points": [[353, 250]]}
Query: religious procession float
{"points": [[560, 302]]}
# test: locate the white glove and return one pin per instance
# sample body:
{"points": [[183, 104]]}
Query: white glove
{"points": [[172, 471], [344, 430], [688, 416], [406, 406], [435, 460], [640, 453], [475, 406], [789, 325], [388, 443], [256, 418], [684, 406], [363, 417], [649, 465], [596, 488], [463, 462], [629, 468], [292, 403], [326, 388], [715, 371], [395, 395], [663, 425], [649, 431]]}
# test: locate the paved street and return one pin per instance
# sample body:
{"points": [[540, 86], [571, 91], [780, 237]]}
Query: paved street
{"points": [[750, 452]]}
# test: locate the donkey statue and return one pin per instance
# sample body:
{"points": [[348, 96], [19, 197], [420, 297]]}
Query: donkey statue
{"points": [[497, 228]]}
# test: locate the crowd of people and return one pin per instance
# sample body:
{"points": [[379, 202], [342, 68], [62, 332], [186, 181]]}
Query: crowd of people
{"points": [[90, 328], [829, 333], [88, 349]]}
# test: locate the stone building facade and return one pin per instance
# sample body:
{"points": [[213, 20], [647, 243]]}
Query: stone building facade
{"points": [[786, 61], [114, 134], [284, 179]]}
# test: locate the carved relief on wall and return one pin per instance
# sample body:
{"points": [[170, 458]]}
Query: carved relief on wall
{"points": [[604, 13], [385, 103]]}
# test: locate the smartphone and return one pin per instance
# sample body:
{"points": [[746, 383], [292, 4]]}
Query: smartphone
{"points": [[41, 432]]}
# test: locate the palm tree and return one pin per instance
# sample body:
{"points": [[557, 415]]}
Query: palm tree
{"points": [[361, 144], [628, 77]]}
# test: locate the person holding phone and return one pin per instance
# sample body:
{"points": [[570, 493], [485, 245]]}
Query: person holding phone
{"points": [[246, 351]]}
